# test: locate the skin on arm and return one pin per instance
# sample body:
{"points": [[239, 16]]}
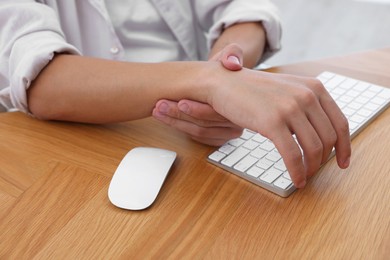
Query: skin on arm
{"points": [[83, 89], [92, 90]]}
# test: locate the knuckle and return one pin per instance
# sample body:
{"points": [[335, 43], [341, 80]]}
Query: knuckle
{"points": [[317, 148], [332, 137], [289, 108], [316, 85], [344, 125], [295, 156], [308, 97]]}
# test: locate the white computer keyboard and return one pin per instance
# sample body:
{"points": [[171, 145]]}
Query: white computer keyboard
{"points": [[255, 158]]}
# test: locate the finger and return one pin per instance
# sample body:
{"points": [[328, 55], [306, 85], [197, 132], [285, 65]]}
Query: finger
{"points": [[319, 124], [206, 117], [231, 63], [337, 119], [232, 57], [310, 144], [291, 154], [325, 131], [339, 123], [209, 135], [199, 110]]}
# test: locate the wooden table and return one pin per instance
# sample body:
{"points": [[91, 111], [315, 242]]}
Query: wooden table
{"points": [[54, 178]]}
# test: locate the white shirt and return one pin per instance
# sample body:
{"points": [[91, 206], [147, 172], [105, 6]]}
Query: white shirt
{"points": [[32, 31], [143, 32]]}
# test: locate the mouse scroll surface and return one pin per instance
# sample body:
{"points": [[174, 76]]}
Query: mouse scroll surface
{"points": [[139, 177]]}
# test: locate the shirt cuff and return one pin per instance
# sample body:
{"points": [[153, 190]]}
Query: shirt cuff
{"points": [[30, 54], [269, 18]]}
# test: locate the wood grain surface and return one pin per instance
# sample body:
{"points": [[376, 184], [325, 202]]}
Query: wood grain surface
{"points": [[54, 178]]}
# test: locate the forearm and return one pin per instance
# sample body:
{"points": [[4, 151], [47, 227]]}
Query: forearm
{"points": [[76, 88], [249, 36]]}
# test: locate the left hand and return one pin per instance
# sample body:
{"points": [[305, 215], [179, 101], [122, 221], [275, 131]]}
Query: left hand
{"points": [[199, 120]]}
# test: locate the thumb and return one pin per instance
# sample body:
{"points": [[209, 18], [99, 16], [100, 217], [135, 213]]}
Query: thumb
{"points": [[232, 63], [232, 57]]}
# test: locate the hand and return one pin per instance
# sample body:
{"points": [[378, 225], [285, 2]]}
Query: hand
{"points": [[278, 106], [231, 57], [199, 120]]}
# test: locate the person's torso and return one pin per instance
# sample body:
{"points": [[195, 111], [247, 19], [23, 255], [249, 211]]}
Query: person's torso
{"points": [[144, 34], [131, 30]]}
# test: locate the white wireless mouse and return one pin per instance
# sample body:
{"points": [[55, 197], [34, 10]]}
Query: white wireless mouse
{"points": [[139, 177]]}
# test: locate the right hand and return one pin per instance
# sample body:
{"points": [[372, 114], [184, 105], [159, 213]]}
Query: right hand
{"points": [[278, 106]]}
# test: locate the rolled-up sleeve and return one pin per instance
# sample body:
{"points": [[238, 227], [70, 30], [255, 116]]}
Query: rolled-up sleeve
{"points": [[218, 15], [29, 37]]}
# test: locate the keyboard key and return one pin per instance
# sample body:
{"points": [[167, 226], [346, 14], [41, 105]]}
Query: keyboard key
{"points": [[346, 99], [385, 93], [357, 119], [353, 93], [378, 100], [372, 106], [227, 148], [280, 165], [255, 171], [236, 142], [235, 156], [273, 156], [353, 125], [287, 176], [361, 86], [271, 175], [341, 104], [247, 134], [264, 163], [217, 156], [245, 163], [268, 146], [335, 81], [250, 144], [282, 183], [364, 112], [362, 100], [375, 88], [368, 94], [259, 138], [348, 83], [259, 153], [348, 111]]}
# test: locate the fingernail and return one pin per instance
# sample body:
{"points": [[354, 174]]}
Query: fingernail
{"points": [[163, 108], [184, 108], [234, 59], [347, 162]]}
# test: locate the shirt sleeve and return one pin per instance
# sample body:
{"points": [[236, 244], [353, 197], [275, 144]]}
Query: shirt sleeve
{"points": [[29, 37], [215, 16]]}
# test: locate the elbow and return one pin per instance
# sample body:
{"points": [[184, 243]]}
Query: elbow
{"points": [[38, 109], [40, 105]]}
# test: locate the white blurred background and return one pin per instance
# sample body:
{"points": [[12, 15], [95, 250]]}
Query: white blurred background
{"points": [[315, 29]]}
